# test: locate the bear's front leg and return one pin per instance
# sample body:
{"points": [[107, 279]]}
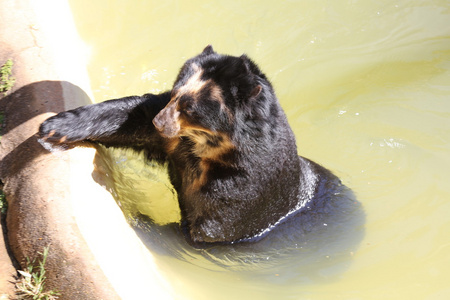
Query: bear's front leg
{"points": [[124, 122], [91, 122], [65, 127]]}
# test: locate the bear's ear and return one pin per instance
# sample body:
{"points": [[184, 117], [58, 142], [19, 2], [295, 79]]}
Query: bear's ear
{"points": [[255, 92], [208, 50], [253, 68], [243, 65], [234, 68], [244, 57]]}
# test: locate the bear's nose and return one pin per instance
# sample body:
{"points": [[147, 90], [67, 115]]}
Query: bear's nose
{"points": [[166, 122], [158, 122]]}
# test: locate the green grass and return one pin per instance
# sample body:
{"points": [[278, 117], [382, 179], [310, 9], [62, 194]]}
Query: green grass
{"points": [[31, 284], [3, 203], [31, 281], [6, 83], [6, 79]]}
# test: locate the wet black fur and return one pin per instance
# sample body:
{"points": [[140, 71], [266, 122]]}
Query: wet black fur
{"points": [[250, 188]]}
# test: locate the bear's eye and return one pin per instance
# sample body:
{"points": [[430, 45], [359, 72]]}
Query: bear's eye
{"points": [[185, 105]]}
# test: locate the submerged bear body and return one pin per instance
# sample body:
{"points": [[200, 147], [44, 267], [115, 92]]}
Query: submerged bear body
{"points": [[231, 153]]}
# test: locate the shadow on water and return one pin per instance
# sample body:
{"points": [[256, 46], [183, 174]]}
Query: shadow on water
{"points": [[315, 245]]}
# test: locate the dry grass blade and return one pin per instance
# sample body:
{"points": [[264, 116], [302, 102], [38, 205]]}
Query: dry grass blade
{"points": [[31, 283]]}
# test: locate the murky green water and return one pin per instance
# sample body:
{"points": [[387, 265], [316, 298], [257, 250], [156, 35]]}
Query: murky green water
{"points": [[366, 87]]}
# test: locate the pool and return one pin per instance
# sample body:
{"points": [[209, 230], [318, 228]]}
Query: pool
{"points": [[366, 88]]}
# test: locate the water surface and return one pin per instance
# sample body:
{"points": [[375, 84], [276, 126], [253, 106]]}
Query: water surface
{"points": [[366, 87]]}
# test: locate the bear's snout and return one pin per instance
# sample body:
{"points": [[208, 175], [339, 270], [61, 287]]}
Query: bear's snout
{"points": [[166, 122]]}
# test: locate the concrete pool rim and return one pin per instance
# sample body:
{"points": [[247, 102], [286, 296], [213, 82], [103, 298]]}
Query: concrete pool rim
{"points": [[92, 255]]}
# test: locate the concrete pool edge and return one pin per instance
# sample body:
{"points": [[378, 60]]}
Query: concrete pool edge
{"points": [[53, 199]]}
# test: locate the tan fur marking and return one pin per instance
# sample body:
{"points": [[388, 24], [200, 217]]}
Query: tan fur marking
{"points": [[171, 144], [208, 154], [200, 181], [187, 128], [215, 153], [194, 83], [216, 94], [201, 148]]}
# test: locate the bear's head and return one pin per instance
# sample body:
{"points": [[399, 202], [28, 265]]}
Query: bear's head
{"points": [[213, 96]]}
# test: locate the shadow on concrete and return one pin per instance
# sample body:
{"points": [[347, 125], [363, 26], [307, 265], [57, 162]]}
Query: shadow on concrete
{"points": [[38, 98], [37, 189], [24, 105]]}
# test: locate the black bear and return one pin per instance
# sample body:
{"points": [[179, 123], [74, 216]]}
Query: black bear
{"points": [[231, 153]]}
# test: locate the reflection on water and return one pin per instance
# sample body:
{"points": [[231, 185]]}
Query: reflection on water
{"points": [[299, 248], [313, 246], [366, 87], [132, 180]]}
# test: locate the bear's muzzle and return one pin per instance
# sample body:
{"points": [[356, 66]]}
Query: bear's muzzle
{"points": [[166, 121]]}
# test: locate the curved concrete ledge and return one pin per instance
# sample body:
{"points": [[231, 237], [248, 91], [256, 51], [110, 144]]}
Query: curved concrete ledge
{"points": [[53, 200], [38, 194]]}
